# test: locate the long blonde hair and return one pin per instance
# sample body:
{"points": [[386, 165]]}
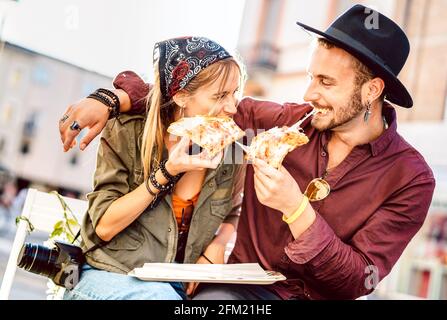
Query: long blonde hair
{"points": [[161, 114]]}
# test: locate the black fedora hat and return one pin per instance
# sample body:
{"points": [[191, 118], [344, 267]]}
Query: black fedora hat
{"points": [[376, 41]]}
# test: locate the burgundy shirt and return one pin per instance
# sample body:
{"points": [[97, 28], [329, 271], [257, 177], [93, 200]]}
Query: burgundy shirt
{"points": [[380, 195]]}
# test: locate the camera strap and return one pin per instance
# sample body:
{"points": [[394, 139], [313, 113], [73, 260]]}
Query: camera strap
{"points": [[96, 246]]}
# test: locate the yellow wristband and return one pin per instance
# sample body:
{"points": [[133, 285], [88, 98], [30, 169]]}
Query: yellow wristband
{"points": [[298, 211]]}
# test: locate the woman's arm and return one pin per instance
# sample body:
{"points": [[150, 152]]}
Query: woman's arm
{"points": [[127, 208], [112, 204]]}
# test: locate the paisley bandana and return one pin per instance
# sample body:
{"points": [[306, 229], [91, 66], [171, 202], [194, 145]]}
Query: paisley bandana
{"points": [[181, 59]]}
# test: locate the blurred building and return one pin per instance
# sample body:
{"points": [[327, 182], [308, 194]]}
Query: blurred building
{"points": [[276, 52], [35, 91]]}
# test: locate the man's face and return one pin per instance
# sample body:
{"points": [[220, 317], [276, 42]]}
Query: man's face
{"points": [[332, 88]]}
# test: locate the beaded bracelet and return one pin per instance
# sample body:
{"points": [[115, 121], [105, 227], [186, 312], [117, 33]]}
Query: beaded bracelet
{"points": [[166, 173], [101, 98], [158, 185], [115, 99], [108, 98]]}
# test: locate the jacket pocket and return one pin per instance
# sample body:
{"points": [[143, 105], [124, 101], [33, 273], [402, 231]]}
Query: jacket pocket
{"points": [[220, 208], [128, 239]]}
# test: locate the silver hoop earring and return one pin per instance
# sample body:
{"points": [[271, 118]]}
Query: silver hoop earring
{"points": [[367, 112]]}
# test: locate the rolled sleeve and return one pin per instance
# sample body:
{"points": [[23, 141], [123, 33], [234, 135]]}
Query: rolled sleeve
{"points": [[136, 88], [341, 268], [311, 242]]}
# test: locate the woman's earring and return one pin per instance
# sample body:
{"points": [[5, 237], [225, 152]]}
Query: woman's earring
{"points": [[182, 112], [367, 112]]}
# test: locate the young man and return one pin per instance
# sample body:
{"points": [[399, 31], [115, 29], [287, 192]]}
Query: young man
{"points": [[381, 187]]}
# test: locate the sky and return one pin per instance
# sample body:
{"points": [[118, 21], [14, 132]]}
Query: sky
{"points": [[108, 36]]}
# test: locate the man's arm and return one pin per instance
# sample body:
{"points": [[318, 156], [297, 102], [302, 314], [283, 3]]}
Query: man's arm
{"points": [[136, 91], [89, 113], [353, 269], [261, 115]]}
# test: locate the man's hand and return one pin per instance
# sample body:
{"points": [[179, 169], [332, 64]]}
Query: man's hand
{"points": [[276, 189], [88, 113]]}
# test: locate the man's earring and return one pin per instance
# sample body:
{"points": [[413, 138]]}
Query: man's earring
{"points": [[367, 112]]}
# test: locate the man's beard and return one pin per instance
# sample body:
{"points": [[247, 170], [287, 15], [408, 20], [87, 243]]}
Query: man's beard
{"points": [[343, 115]]}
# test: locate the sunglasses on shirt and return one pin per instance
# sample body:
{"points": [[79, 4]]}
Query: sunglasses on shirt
{"points": [[318, 189]]}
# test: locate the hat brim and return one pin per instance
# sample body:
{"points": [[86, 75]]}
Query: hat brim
{"points": [[395, 91]]}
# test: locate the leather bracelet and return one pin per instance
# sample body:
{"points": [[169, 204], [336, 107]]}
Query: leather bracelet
{"points": [[298, 211], [203, 255], [108, 98], [149, 189], [116, 101], [104, 100], [166, 173]]}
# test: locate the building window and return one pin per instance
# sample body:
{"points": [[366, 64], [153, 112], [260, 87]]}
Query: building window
{"points": [[29, 132], [41, 75]]}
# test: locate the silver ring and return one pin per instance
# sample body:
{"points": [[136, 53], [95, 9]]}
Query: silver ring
{"points": [[64, 117], [75, 126]]}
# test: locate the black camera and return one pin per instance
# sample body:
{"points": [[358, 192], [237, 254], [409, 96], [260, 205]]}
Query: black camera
{"points": [[62, 264]]}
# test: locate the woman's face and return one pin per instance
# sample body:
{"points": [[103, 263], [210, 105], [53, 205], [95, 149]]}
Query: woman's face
{"points": [[215, 99]]}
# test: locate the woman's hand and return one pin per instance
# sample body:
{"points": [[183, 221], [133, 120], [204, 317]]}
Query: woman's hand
{"points": [[180, 161], [214, 252]]}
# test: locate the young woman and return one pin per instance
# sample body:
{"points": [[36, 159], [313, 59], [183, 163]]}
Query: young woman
{"points": [[152, 201]]}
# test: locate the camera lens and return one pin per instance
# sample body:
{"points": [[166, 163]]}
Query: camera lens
{"points": [[39, 260]]}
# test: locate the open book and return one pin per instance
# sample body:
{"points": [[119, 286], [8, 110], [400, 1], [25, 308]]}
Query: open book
{"points": [[246, 273]]}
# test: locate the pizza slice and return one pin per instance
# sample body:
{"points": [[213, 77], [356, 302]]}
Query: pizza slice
{"points": [[273, 145], [211, 133]]}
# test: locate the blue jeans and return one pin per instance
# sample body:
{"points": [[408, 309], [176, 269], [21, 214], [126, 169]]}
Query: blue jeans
{"points": [[222, 291], [98, 284]]}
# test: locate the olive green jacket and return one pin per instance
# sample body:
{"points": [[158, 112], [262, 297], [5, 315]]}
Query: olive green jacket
{"points": [[153, 236]]}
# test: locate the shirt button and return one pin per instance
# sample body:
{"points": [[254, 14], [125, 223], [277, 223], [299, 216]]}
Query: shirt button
{"points": [[211, 184], [284, 258], [169, 229], [224, 172], [323, 154]]}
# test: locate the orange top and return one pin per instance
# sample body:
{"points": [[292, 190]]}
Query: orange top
{"points": [[183, 210]]}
